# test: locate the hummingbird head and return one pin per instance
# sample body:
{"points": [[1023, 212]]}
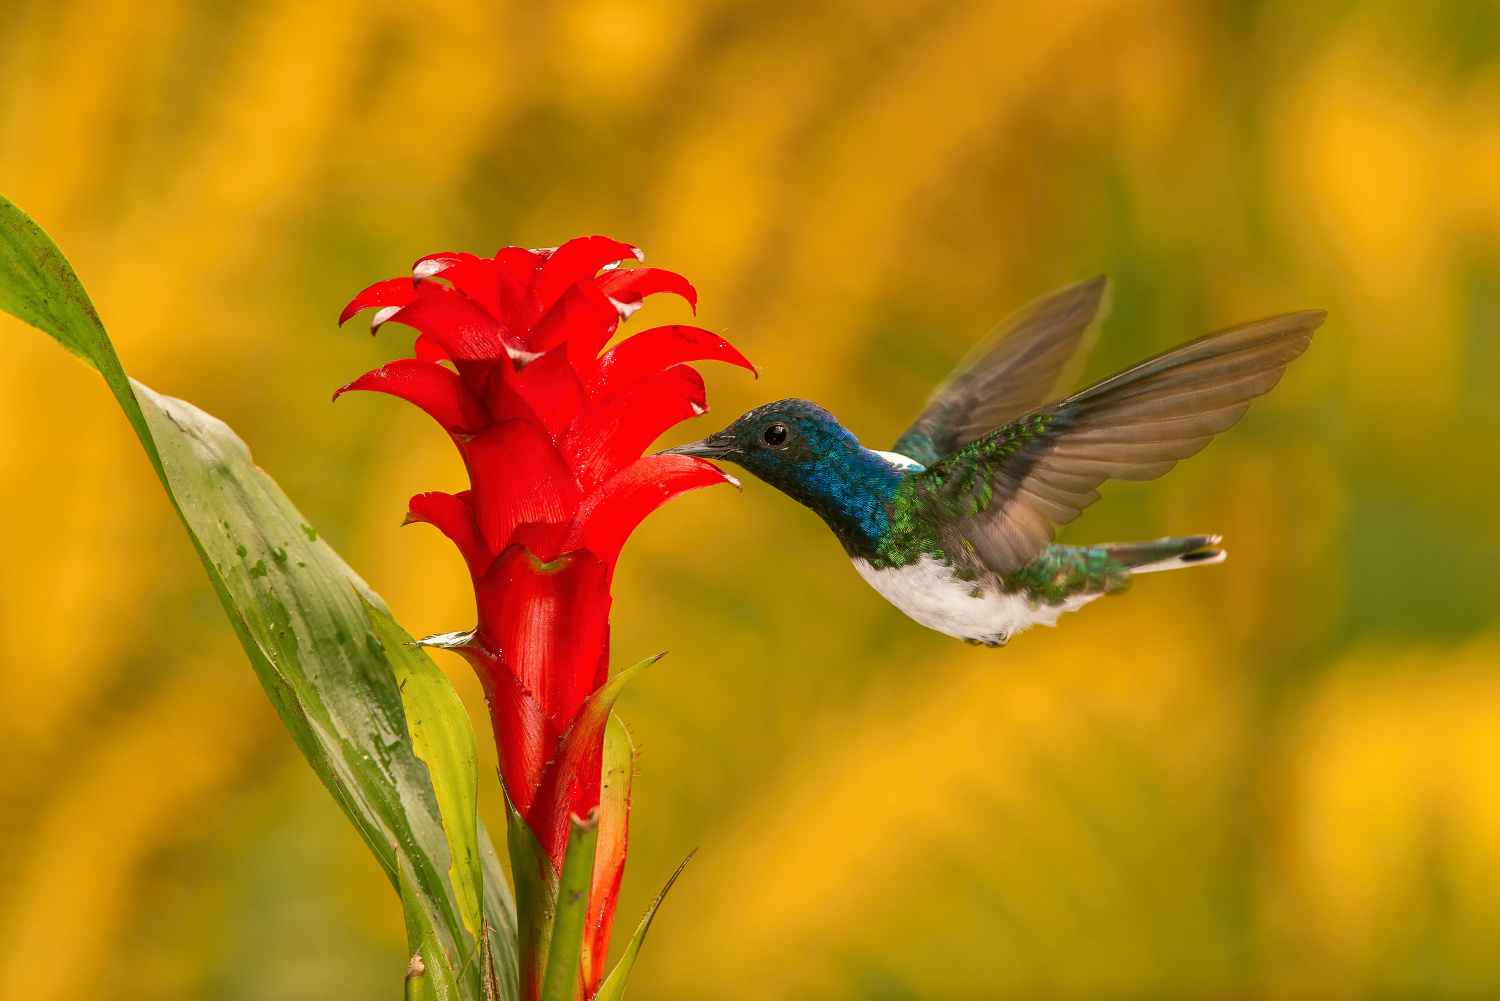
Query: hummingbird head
{"points": [[802, 450], [786, 443]]}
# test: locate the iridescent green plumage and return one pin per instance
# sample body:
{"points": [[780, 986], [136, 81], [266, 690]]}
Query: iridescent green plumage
{"points": [[1058, 573], [958, 485]]}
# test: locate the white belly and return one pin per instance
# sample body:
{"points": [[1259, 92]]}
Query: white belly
{"points": [[930, 593]]}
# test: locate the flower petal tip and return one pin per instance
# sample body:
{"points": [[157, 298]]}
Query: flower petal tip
{"points": [[428, 267], [627, 309], [733, 482], [587, 823], [521, 357], [447, 641], [380, 317]]}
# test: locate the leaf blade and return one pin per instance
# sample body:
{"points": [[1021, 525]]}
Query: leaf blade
{"points": [[296, 607], [39, 286], [503, 961], [536, 897], [303, 612], [442, 737]]}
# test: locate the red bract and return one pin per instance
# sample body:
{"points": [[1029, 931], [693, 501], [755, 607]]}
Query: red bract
{"points": [[509, 362]]}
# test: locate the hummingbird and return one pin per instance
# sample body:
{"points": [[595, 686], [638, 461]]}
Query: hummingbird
{"points": [[954, 524]]}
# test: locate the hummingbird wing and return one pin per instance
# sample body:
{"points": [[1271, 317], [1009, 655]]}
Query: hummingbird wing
{"points": [[1008, 372], [1004, 493]]}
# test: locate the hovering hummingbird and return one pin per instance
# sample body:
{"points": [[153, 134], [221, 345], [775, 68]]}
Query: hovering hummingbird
{"points": [[954, 525]]}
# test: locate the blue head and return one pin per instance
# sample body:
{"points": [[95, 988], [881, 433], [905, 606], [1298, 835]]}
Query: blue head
{"points": [[802, 450]]}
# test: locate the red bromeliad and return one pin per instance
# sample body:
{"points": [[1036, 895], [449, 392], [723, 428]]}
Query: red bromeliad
{"points": [[509, 362]]}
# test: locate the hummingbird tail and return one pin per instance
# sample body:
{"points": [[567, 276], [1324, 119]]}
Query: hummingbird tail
{"points": [[1167, 554]]}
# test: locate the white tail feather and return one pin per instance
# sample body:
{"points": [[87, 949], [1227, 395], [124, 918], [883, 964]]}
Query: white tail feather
{"points": [[1197, 558]]}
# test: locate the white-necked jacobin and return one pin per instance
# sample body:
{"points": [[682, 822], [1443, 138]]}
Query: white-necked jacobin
{"points": [[954, 525]]}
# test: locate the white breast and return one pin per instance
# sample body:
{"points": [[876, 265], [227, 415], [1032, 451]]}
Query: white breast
{"points": [[929, 592]]}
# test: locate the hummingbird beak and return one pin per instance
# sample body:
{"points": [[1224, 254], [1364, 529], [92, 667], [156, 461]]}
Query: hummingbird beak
{"points": [[715, 446]]}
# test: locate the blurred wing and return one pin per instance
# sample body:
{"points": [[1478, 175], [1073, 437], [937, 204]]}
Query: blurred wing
{"points": [[1009, 372], [1010, 488]]}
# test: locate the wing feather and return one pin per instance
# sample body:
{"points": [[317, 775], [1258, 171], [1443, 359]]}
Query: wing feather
{"points": [[1009, 372], [1008, 489]]}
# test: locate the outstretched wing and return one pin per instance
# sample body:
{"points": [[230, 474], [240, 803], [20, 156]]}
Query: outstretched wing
{"points": [[1007, 373], [1005, 492]]}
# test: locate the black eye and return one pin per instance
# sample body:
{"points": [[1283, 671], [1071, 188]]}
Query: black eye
{"points": [[775, 434]]}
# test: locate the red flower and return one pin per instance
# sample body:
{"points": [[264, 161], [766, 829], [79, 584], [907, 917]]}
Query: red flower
{"points": [[509, 362]]}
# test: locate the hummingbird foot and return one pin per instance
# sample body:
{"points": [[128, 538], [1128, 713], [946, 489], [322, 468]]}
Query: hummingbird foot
{"points": [[1000, 640]]}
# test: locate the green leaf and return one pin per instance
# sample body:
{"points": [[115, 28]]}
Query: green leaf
{"points": [[443, 737], [301, 614], [312, 630], [500, 965], [536, 895], [613, 988], [429, 973], [572, 912], [38, 285]]}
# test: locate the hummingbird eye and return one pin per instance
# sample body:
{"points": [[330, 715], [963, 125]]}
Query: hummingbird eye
{"points": [[775, 434]]}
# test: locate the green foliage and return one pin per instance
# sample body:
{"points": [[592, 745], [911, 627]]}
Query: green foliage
{"points": [[441, 736], [38, 285], [373, 715], [536, 897]]}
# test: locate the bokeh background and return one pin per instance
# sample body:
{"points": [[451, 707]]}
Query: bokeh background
{"points": [[1278, 778]]}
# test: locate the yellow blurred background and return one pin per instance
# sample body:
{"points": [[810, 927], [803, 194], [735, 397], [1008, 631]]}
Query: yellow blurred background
{"points": [[1279, 778]]}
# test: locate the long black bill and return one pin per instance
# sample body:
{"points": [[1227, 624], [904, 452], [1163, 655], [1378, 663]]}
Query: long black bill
{"points": [[715, 446]]}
